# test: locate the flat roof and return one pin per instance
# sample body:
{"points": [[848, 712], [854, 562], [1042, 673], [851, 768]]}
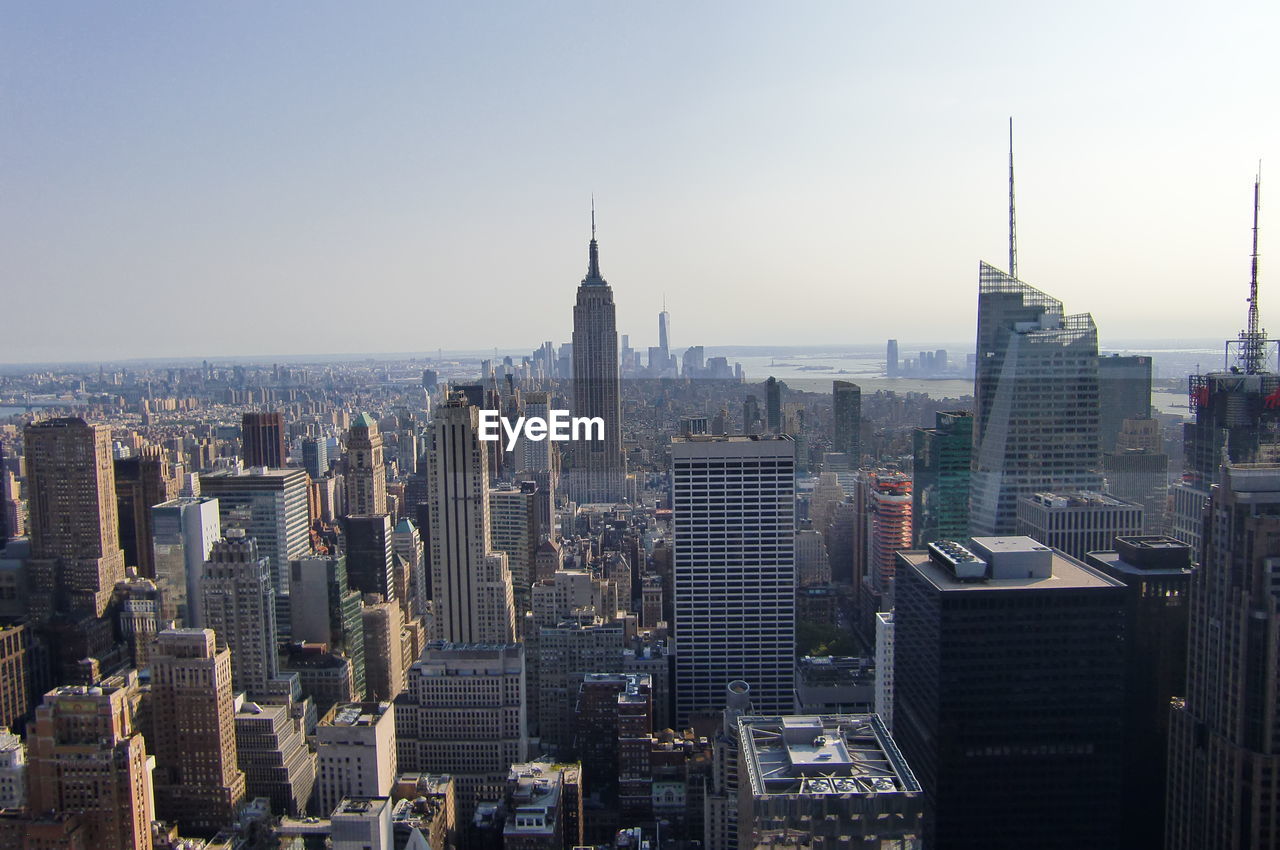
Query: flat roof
{"points": [[1067, 573]]}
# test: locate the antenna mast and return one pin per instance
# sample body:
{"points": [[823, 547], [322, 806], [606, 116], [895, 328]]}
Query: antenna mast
{"points": [[1013, 230], [1254, 338]]}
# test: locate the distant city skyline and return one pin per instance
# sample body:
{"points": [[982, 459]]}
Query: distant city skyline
{"points": [[209, 182]]}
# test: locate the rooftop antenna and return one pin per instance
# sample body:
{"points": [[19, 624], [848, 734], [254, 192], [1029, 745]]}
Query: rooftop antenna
{"points": [[593, 216], [1253, 339], [1013, 230]]}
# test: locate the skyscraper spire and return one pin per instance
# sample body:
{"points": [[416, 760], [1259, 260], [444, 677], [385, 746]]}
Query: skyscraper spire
{"points": [[593, 253], [1013, 229], [1254, 338]]}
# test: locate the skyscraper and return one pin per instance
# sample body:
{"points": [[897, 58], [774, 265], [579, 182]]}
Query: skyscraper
{"points": [[1036, 401], [262, 439], [238, 603], [846, 406], [141, 481], [271, 506], [891, 358], [1124, 392], [470, 582], [184, 531], [1009, 693], [369, 554], [733, 508], [366, 469], [940, 478], [84, 756], [198, 783], [1224, 750], [75, 537], [599, 472], [315, 456], [773, 405]]}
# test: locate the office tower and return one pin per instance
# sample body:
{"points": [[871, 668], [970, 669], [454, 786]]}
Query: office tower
{"points": [[1223, 750], [599, 472], [76, 559], [1035, 422], [323, 674], [1156, 572], [773, 405], [612, 719], [262, 439], [273, 753], [1009, 694], [138, 616], [516, 529], [891, 358], [693, 361], [85, 757], [6, 533], [463, 714], [430, 379], [383, 659], [940, 478], [315, 456], [470, 583], [362, 823], [355, 753], [271, 506], [835, 779], [664, 330], [884, 500], [141, 481], [366, 469], [326, 610], [13, 770], [370, 553], [846, 408], [565, 653], [1076, 523], [16, 675], [193, 736], [884, 668], [1138, 471], [238, 603], [1124, 392], [812, 566], [183, 533], [721, 824], [752, 422], [407, 543], [733, 507]]}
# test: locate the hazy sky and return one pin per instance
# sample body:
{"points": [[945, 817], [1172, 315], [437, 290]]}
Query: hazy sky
{"points": [[242, 178]]}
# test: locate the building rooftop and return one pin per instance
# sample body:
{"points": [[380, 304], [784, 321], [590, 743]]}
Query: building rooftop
{"points": [[841, 754], [357, 714], [1082, 499], [1052, 569], [732, 438]]}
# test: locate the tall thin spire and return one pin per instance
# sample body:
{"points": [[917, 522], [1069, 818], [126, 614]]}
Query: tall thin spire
{"points": [[1013, 228], [593, 252], [1254, 338]]}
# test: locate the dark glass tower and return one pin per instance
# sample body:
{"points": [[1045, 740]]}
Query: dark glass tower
{"points": [[262, 438], [940, 495], [599, 472], [846, 406]]}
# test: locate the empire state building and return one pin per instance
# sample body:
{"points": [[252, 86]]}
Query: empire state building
{"points": [[598, 472]]}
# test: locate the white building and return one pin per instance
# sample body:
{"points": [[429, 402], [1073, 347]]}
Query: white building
{"points": [[355, 753], [183, 532], [362, 823], [884, 667], [13, 770], [271, 506], [733, 506]]}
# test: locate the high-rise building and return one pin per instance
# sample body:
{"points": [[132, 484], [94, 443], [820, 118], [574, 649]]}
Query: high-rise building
{"points": [[370, 552], [262, 439], [271, 506], [470, 582], [1078, 523], [817, 781], [383, 651], [1157, 573], [846, 407], [17, 675], [1035, 422], [1124, 392], [464, 714], [315, 456], [325, 609], [1224, 751], [76, 559], [183, 533], [355, 753], [733, 507], [891, 358], [362, 823], [366, 468], [141, 481], [13, 770], [516, 529], [885, 498], [773, 405], [940, 478], [238, 603], [198, 783], [406, 542], [1138, 471], [273, 753], [1009, 694], [5, 498], [599, 471], [86, 757]]}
